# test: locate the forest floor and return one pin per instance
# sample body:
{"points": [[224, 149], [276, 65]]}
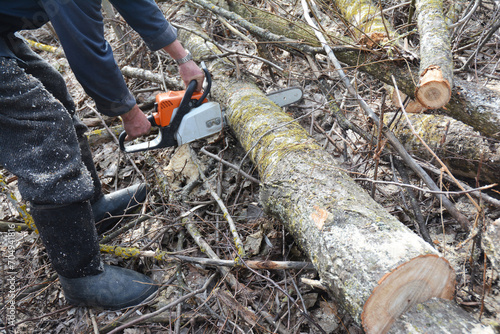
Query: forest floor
{"points": [[291, 305]]}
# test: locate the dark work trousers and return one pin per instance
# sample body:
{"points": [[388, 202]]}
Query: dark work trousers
{"points": [[41, 140]]}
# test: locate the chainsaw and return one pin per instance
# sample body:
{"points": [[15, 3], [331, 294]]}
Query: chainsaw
{"points": [[185, 116]]}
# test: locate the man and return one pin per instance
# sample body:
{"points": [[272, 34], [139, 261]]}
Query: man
{"points": [[43, 143]]}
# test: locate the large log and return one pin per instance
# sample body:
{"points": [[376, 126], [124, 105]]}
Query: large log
{"points": [[436, 63], [361, 252], [465, 152]]}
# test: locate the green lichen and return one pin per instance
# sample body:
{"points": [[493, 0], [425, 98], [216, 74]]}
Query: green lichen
{"points": [[124, 252]]}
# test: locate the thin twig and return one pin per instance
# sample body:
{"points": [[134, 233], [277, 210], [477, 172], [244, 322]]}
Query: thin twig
{"points": [[133, 252], [237, 239], [419, 217], [224, 162], [94, 322], [427, 190], [480, 196], [486, 38]]}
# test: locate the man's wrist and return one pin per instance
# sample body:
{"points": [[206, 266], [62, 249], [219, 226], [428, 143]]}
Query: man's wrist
{"points": [[131, 114], [184, 59]]}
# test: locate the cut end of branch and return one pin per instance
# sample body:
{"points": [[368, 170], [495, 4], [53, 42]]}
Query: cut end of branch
{"points": [[413, 282], [373, 39], [434, 91], [412, 106]]}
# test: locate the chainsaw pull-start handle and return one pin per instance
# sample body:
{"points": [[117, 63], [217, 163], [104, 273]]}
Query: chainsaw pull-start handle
{"points": [[166, 136]]}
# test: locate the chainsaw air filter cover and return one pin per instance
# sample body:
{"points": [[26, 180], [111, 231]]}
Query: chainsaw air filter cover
{"points": [[200, 122]]}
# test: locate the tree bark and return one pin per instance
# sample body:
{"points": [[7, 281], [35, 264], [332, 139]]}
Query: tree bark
{"points": [[452, 319], [361, 252], [465, 151], [491, 243], [476, 106], [368, 26]]}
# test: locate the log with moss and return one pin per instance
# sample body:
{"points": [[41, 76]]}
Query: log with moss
{"points": [[465, 152], [370, 262], [367, 24], [436, 63]]}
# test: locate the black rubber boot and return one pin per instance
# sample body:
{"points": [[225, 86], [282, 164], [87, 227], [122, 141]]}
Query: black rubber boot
{"points": [[70, 238], [109, 209], [114, 289]]}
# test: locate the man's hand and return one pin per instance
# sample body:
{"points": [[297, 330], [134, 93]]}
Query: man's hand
{"points": [[135, 123], [189, 71]]}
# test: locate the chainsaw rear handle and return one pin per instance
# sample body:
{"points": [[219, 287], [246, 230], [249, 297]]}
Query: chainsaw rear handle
{"points": [[166, 136]]}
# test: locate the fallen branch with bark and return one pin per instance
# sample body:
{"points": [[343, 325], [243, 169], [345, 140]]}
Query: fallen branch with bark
{"points": [[436, 63]]}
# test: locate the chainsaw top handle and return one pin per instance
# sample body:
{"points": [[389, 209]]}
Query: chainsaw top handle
{"points": [[166, 136]]}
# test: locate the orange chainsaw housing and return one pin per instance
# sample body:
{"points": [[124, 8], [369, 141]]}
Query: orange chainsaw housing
{"points": [[167, 102]]}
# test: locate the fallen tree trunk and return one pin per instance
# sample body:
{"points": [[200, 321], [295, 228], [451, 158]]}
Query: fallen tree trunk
{"points": [[436, 63], [465, 152], [375, 266]]}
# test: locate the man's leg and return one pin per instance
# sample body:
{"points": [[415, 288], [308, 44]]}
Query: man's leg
{"points": [[107, 209], [54, 83], [38, 143]]}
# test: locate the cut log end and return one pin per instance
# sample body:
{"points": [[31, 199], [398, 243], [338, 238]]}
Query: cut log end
{"points": [[413, 282], [372, 39], [433, 91]]}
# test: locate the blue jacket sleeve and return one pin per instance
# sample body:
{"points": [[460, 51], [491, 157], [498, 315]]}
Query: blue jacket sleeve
{"points": [[145, 17], [79, 26]]}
